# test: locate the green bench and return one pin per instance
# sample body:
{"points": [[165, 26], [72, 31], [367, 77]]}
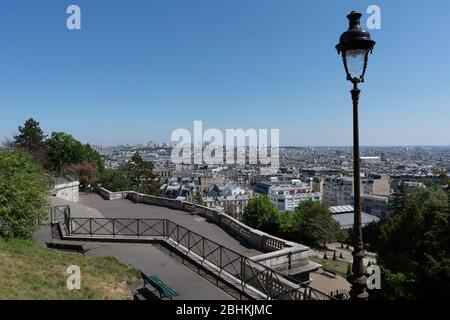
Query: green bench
{"points": [[164, 290]]}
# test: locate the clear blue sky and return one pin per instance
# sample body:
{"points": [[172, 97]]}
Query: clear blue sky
{"points": [[139, 69]]}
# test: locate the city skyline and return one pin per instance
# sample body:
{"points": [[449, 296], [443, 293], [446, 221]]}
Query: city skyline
{"points": [[224, 152], [136, 73]]}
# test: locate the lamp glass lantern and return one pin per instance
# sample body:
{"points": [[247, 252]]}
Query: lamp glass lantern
{"points": [[355, 44]]}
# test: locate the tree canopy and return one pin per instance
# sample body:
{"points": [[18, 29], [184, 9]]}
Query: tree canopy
{"points": [[64, 150], [30, 138], [311, 223], [115, 180], [261, 214], [136, 175], [141, 173], [315, 225], [414, 246], [23, 194]]}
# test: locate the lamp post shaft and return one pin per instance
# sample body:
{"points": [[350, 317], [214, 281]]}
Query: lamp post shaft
{"points": [[358, 279], [356, 39]]}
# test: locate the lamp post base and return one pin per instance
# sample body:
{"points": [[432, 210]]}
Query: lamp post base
{"points": [[358, 287]]}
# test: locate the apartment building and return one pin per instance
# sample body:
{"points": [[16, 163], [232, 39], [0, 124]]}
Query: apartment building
{"points": [[338, 191], [288, 197], [376, 184]]}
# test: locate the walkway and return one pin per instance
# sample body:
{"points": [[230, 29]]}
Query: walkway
{"points": [[154, 261], [127, 209], [147, 257], [151, 260]]}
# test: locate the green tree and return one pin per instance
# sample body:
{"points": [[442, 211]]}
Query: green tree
{"points": [[315, 225], [445, 181], [287, 225], [93, 156], [23, 194], [64, 150], [370, 234], [115, 180], [30, 138], [261, 214], [136, 175], [398, 202], [414, 247], [141, 173]]}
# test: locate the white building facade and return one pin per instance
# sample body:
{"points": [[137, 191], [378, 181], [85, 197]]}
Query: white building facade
{"points": [[288, 197]]}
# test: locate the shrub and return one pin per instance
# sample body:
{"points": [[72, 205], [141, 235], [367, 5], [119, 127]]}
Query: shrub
{"points": [[23, 194]]}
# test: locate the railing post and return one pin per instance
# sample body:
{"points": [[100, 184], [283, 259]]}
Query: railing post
{"points": [[189, 240], [203, 248], [164, 228], [137, 227], [113, 220], [289, 260], [90, 227], [243, 271]]}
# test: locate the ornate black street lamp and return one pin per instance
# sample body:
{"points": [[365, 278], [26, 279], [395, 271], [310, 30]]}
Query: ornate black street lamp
{"points": [[355, 45]]}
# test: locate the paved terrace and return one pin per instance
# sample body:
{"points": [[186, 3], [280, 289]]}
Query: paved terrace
{"points": [[150, 259], [147, 257], [92, 205]]}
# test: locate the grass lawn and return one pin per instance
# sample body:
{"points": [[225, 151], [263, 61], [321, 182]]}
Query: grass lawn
{"points": [[344, 249], [338, 266], [367, 255], [30, 271]]}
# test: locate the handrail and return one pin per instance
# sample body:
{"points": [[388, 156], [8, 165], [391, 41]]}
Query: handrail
{"points": [[250, 273]]}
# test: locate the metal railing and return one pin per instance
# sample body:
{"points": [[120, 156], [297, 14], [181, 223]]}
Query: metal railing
{"points": [[126, 227], [271, 283], [228, 263], [61, 215], [248, 273]]}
